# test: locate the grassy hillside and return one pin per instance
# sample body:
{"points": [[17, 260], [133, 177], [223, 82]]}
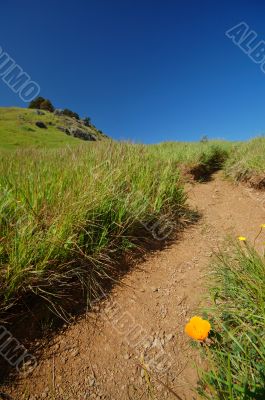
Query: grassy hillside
{"points": [[67, 211], [241, 161], [18, 130], [70, 208], [195, 158]]}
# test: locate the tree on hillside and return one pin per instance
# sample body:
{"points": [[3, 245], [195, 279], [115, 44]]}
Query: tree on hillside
{"points": [[36, 102], [47, 105], [41, 104]]}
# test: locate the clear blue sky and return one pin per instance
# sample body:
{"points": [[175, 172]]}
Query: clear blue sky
{"points": [[144, 70]]}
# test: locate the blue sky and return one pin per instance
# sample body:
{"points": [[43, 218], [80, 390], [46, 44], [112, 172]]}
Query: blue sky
{"points": [[143, 70]]}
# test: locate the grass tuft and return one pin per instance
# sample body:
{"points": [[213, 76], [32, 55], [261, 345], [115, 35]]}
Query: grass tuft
{"points": [[236, 355], [247, 163]]}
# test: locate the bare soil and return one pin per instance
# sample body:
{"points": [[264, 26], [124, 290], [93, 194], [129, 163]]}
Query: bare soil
{"points": [[142, 322]]}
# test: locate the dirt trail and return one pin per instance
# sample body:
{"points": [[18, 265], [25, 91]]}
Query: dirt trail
{"points": [[98, 357]]}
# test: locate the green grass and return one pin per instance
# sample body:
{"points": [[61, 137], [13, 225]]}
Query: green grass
{"points": [[69, 207], [190, 154], [196, 160], [247, 162], [67, 212], [241, 161], [236, 356], [18, 130]]}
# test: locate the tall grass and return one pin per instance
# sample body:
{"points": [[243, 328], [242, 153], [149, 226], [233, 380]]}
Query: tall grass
{"points": [[236, 356], [247, 162], [199, 160], [66, 212], [191, 153]]}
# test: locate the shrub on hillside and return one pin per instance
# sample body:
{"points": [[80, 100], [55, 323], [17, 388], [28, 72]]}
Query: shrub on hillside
{"points": [[87, 121], [41, 104], [70, 113], [36, 102]]}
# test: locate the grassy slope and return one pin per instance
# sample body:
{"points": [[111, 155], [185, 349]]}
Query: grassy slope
{"points": [[66, 212], [78, 202], [18, 130], [245, 161]]}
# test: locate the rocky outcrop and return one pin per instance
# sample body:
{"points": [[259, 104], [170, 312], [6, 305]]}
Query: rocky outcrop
{"points": [[58, 111], [64, 129], [41, 125], [78, 133], [82, 134]]}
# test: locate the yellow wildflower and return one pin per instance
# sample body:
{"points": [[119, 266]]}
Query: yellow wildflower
{"points": [[262, 225], [242, 238], [198, 328]]}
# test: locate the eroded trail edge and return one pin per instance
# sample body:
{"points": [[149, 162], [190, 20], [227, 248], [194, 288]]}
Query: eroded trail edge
{"points": [[142, 322]]}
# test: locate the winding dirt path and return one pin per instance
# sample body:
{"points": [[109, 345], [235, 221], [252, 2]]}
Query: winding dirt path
{"points": [[143, 320]]}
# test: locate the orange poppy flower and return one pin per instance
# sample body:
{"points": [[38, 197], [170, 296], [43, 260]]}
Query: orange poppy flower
{"points": [[198, 328]]}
